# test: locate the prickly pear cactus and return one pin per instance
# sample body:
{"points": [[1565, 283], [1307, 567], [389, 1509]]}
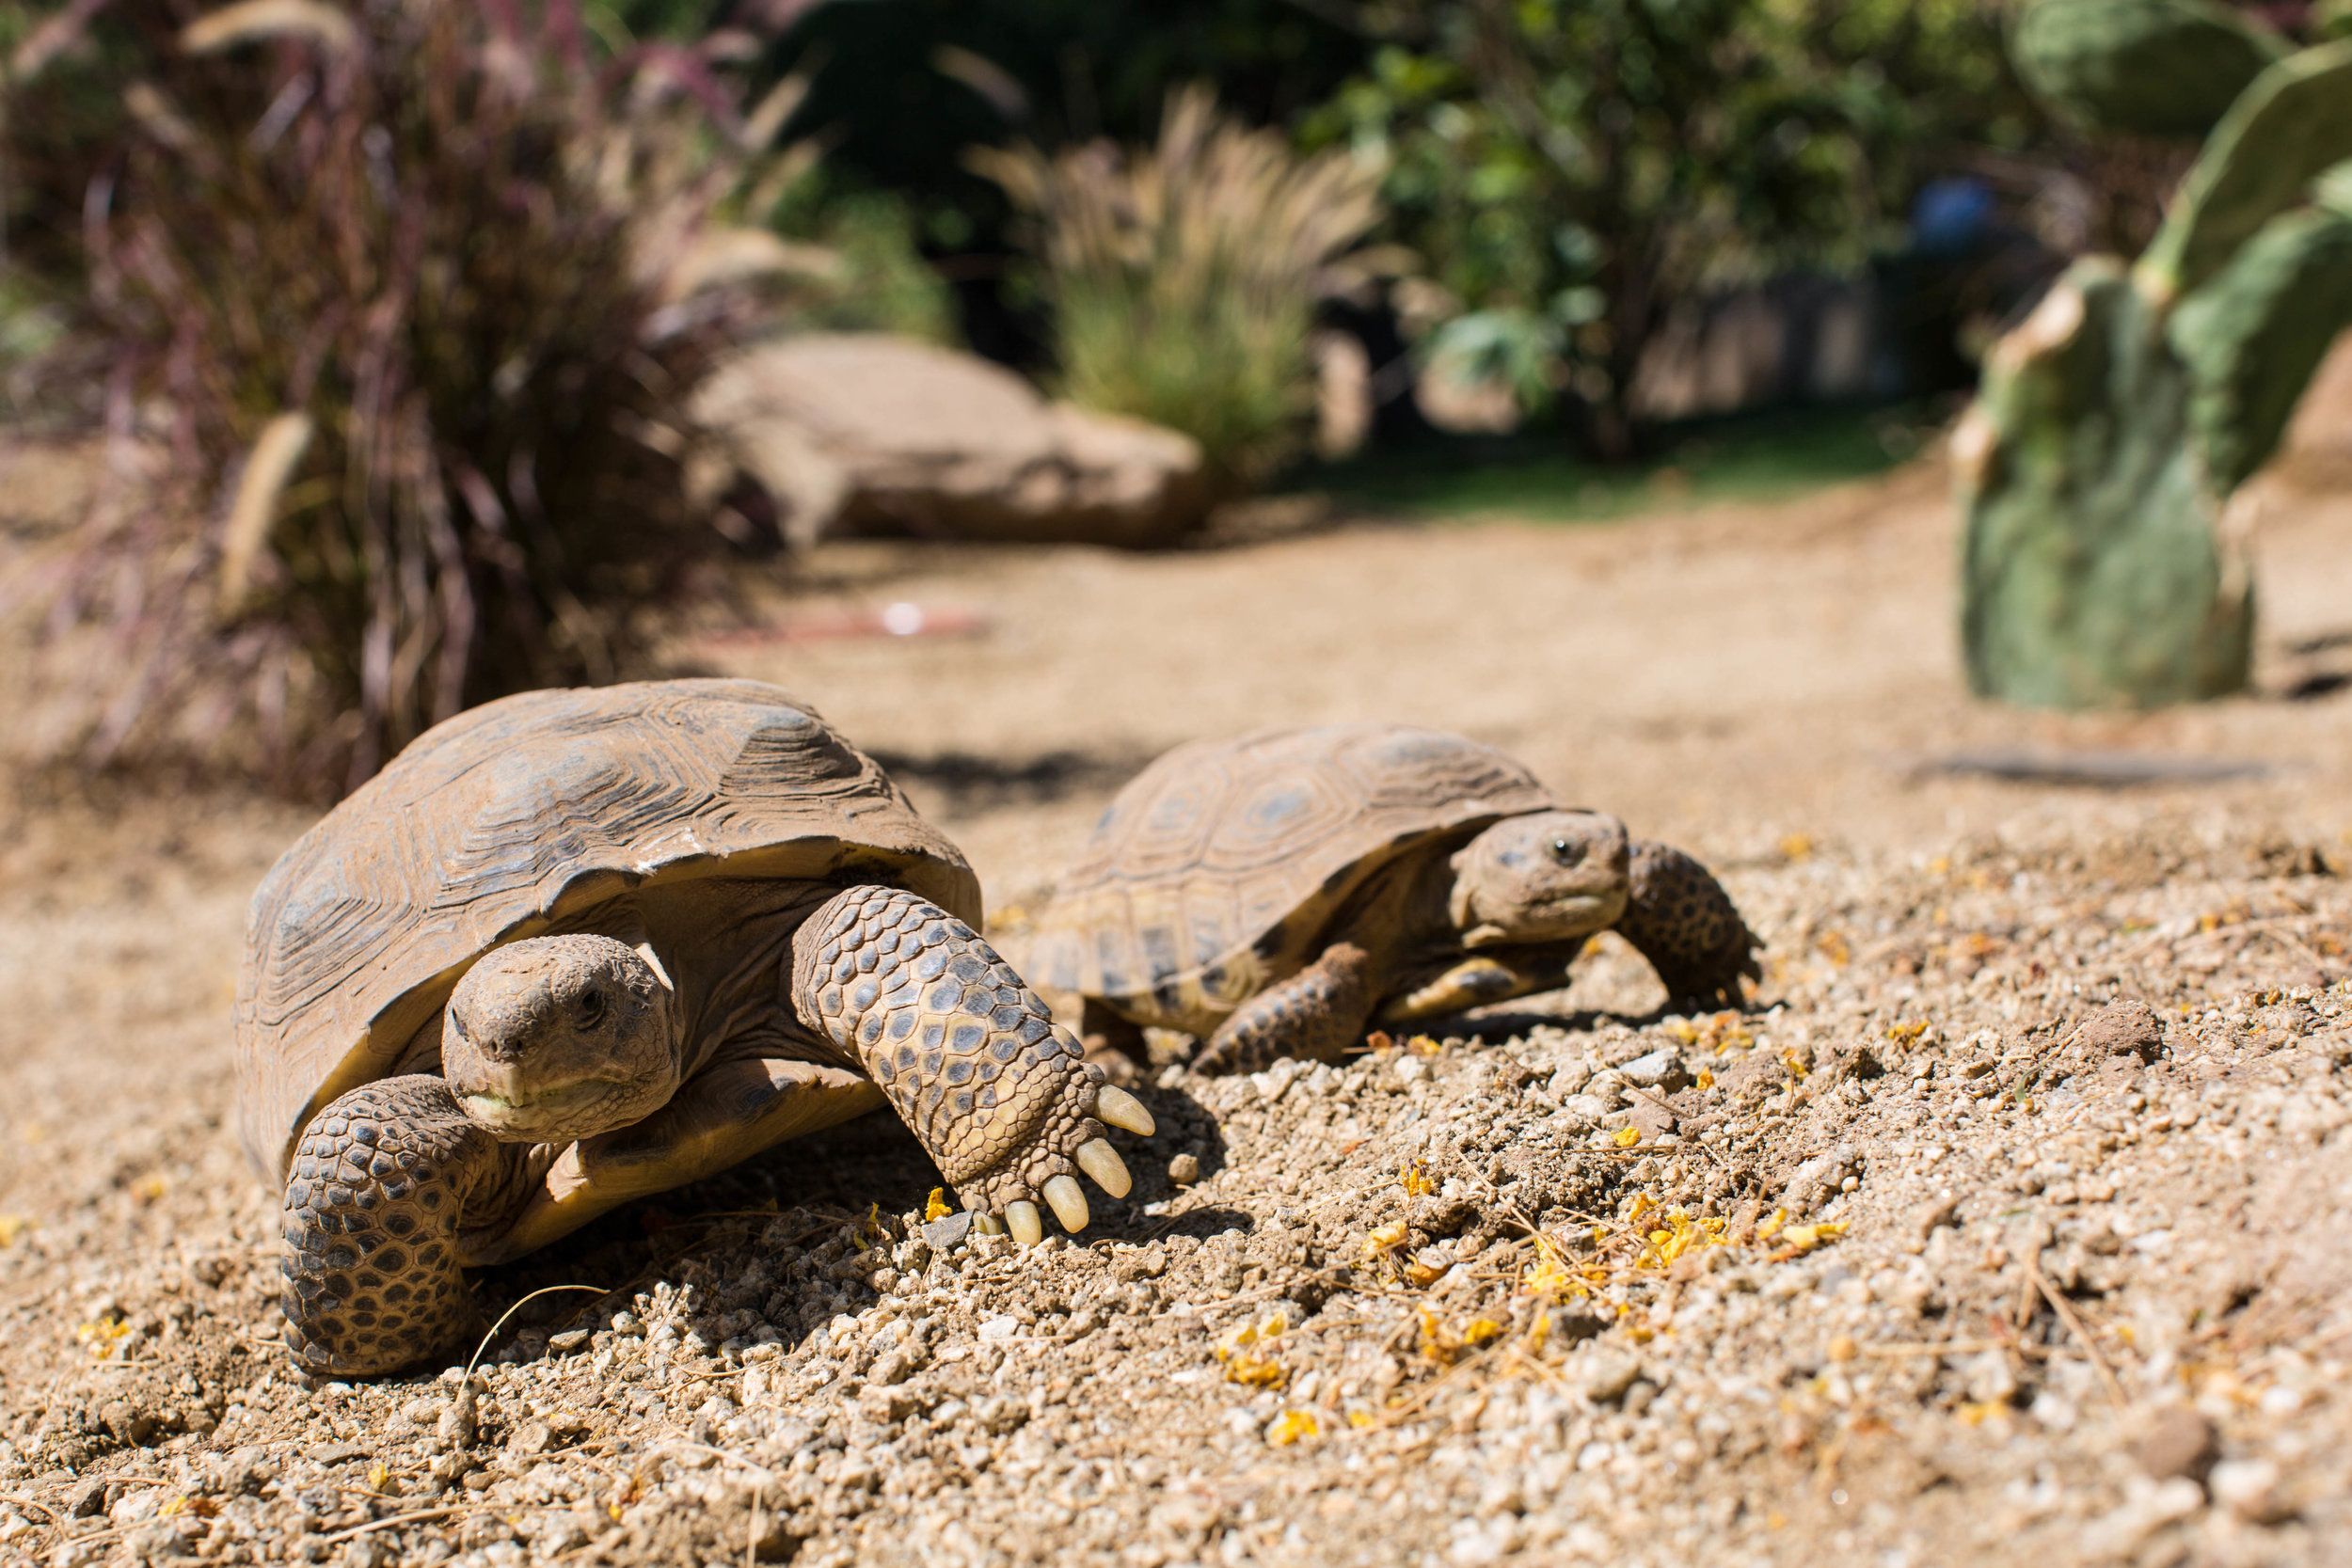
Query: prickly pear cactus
{"points": [[2093, 570], [2159, 68], [2105, 564]]}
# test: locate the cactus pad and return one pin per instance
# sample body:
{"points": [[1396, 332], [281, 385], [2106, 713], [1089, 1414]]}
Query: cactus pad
{"points": [[2167, 68], [2093, 568]]}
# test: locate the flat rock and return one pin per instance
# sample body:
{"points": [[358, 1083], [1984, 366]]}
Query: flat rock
{"points": [[866, 433]]}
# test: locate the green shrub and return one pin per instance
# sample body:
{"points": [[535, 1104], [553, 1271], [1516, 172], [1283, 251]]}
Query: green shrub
{"points": [[875, 278], [1184, 280], [413, 293]]}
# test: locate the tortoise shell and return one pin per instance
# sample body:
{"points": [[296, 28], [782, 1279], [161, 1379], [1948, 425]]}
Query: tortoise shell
{"points": [[1218, 869], [520, 817]]}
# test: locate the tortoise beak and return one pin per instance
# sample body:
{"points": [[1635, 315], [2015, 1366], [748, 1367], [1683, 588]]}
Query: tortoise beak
{"points": [[517, 1111]]}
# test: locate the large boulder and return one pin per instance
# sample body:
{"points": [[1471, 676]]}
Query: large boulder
{"points": [[864, 433]]}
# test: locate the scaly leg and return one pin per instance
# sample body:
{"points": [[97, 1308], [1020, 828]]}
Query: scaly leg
{"points": [[1681, 920], [1001, 1098], [1314, 1015], [386, 1185]]}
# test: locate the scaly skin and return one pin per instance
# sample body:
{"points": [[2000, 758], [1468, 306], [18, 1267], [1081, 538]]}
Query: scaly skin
{"points": [[1314, 1015], [384, 1185], [1681, 920], [1001, 1098]]}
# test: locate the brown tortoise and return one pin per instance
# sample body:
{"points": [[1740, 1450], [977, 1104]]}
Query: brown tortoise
{"points": [[577, 946], [1277, 893]]}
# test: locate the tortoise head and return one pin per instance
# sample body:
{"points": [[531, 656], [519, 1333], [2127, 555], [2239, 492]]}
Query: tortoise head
{"points": [[555, 1039], [1549, 875]]}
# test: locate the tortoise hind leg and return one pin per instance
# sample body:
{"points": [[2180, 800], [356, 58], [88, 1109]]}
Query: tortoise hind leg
{"points": [[1315, 1015], [1113, 1041], [384, 1183]]}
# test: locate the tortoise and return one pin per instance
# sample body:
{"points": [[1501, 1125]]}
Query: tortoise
{"points": [[576, 946], [1277, 893]]}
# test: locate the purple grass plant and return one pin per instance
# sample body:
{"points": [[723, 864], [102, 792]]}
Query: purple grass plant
{"points": [[402, 304]]}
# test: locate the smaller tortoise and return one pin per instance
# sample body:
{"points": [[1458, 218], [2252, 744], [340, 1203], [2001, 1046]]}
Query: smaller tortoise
{"points": [[1277, 893], [573, 947]]}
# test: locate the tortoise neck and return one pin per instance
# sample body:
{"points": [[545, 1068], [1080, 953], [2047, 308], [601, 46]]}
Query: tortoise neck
{"points": [[725, 944], [1401, 914]]}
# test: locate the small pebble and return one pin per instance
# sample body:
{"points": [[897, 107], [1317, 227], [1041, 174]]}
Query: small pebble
{"points": [[948, 1230]]}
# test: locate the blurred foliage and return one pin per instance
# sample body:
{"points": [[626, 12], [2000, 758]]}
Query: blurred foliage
{"points": [[877, 280], [1753, 458], [904, 87], [1184, 278], [1569, 168], [408, 297]]}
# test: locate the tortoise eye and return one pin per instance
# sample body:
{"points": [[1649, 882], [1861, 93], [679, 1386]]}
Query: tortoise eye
{"points": [[1564, 852], [591, 1009]]}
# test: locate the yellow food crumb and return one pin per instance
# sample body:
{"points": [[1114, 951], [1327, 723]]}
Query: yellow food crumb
{"points": [[1255, 1371], [102, 1335], [1292, 1425], [1903, 1034], [935, 1207], [11, 1227], [1797, 1066], [1796, 846], [380, 1478], [1361, 1418], [1798, 1239], [1627, 1138], [1480, 1330], [1705, 1079], [1240, 1351], [1415, 1179], [1385, 1238], [1423, 1045], [148, 1188], [1418, 1272]]}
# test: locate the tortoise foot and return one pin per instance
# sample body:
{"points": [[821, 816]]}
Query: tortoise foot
{"points": [[1001, 1096], [381, 1186]]}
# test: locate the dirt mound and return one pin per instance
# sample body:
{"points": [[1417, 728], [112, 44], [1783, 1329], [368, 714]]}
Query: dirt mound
{"points": [[2008, 1225]]}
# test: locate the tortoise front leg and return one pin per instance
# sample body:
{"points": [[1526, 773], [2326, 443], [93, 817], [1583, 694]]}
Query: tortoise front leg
{"points": [[967, 1053], [1680, 918], [1315, 1014], [386, 1186]]}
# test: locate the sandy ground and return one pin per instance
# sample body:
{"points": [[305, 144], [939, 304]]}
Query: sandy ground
{"points": [[1936, 1255]]}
